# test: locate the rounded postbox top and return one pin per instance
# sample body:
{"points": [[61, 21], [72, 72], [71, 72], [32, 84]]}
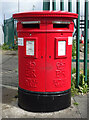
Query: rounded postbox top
{"points": [[45, 14]]}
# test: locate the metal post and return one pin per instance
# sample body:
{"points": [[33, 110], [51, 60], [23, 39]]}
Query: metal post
{"points": [[77, 43], [62, 5], [46, 5], [85, 40], [54, 4], [70, 5], [13, 32], [70, 10], [4, 31]]}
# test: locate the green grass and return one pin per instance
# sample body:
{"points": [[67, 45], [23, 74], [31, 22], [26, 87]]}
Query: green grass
{"points": [[73, 70], [83, 86], [76, 103], [74, 49], [88, 48], [9, 47]]}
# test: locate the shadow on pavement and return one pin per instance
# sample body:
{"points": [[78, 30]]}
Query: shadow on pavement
{"points": [[9, 95]]}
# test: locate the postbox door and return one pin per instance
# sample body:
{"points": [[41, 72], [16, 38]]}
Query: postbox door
{"points": [[58, 62]]}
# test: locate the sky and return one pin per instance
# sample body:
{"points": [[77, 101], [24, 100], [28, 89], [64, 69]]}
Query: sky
{"points": [[9, 7]]}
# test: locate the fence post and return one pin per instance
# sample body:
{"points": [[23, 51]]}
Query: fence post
{"points": [[70, 10], [85, 39], [62, 5], [70, 6], [13, 31], [4, 31], [54, 5], [77, 44], [46, 5]]}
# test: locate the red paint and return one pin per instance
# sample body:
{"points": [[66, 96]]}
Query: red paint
{"points": [[45, 71], [82, 39]]}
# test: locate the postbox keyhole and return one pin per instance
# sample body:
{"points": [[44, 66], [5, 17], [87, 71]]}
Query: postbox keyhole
{"points": [[61, 34]]}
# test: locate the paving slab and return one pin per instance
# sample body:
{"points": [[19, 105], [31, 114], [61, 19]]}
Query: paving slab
{"points": [[9, 71], [10, 78], [82, 104]]}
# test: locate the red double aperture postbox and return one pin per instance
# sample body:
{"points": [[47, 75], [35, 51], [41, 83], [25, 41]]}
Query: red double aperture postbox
{"points": [[44, 59]]}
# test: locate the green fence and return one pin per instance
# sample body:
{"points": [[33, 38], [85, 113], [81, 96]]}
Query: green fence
{"points": [[9, 31], [77, 61]]}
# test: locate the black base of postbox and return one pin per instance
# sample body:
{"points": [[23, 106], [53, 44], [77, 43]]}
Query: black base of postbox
{"points": [[43, 102]]}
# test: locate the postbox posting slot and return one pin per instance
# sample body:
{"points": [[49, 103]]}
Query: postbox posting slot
{"points": [[60, 24], [31, 24]]}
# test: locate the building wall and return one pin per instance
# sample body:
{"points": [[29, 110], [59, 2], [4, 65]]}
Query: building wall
{"points": [[82, 30]]}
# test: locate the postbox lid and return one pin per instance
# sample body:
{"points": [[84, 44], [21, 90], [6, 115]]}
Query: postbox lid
{"points": [[34, 14]]}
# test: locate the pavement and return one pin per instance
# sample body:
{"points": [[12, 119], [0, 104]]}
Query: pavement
{"points": [[9, 84]]}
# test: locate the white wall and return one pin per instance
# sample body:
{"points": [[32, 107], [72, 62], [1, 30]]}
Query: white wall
{"points": [[27, 5], [1, 35], [88, 19]]}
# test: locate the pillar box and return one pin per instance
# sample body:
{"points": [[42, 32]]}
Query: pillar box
{"points": [[44, 60]]}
